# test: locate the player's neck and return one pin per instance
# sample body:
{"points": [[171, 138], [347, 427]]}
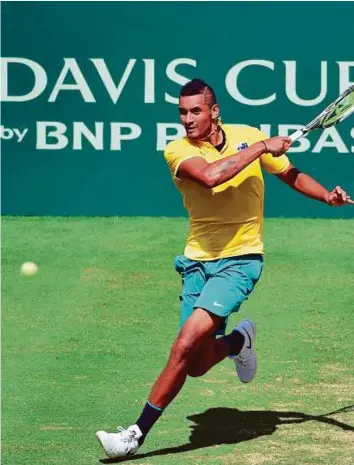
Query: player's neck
{"points": [[215, 136]]}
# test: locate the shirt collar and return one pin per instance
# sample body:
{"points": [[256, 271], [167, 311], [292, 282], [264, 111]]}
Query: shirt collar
{"points": [[207, 145]]}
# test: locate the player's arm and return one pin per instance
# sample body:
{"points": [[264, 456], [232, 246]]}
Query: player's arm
{"points": [[216, 173], [308, 186]]}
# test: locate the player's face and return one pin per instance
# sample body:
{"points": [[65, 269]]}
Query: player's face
{"points": [[196, 116]]}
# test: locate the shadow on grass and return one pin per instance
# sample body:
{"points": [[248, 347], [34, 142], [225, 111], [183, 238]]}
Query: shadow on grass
{"points": [[231, 426]]}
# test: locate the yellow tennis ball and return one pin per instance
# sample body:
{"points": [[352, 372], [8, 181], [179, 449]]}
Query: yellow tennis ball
{"points": [[29, 269]]}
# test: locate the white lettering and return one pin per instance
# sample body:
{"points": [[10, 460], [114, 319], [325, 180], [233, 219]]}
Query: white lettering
{"points": [[80, 82], [95, 139], [163, 135], [40, 80], [6, 133], [117, 136], [54, 135], [149, 90], [266, 128], [20, 135], [113, 90], [330, 138], [177, 78], [232, 87], [290, 85], [344, 74], [57, 133], [352, 135]]}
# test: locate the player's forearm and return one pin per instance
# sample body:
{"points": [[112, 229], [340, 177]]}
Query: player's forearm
{"points": [[310, 187], [221, 171]]}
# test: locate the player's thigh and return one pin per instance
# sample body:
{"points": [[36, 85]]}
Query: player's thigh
{"points": [[231, 284], [193, 282]]}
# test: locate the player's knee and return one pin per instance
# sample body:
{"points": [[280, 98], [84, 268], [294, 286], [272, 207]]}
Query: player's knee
{"points": [[183, 349]]}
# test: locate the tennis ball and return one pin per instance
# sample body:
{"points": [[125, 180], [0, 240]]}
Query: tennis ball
{"points": [[29, 269]]}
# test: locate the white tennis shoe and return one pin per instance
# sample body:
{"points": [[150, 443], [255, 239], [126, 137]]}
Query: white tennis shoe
{"points": [[125, 442], [246, 360]]}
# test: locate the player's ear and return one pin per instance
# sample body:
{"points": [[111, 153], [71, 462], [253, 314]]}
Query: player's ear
{"points": [[215, 112]]}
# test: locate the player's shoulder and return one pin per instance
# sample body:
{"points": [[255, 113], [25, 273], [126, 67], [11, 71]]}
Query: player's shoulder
{"points": [[181, 146], [243, 132]]}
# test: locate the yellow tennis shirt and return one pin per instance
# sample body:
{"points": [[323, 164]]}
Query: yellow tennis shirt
{"points": [[226, 220]]}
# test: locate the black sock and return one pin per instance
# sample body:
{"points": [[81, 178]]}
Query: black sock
{"points": [[148, 418], [235, 340]]}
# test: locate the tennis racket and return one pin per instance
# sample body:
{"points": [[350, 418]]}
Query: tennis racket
{"points": [[336, 112]]}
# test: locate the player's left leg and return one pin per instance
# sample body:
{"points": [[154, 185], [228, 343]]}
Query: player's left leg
{"points": [[235, 344], [211, 352], [230, 283]]}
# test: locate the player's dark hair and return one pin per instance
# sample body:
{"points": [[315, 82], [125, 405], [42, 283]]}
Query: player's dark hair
{"points": [[198, 86]]}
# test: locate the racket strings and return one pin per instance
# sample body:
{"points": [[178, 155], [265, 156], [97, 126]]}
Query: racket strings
{"points": [[339, 110]]}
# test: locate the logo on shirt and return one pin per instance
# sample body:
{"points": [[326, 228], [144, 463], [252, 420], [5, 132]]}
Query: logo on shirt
{"points": [[242, 146]]}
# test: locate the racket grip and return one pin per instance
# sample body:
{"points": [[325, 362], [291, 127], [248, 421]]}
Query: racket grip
{"points": [[297, 135]]}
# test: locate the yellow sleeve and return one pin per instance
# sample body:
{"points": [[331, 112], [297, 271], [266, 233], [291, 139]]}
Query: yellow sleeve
{"points": [[175, 154], [273, 165]]}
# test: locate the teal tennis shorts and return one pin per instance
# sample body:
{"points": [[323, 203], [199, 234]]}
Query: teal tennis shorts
{"points": [[219, 286]]}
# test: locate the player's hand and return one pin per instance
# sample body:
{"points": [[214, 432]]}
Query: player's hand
{"points": [[277, 146], [338, 197]]}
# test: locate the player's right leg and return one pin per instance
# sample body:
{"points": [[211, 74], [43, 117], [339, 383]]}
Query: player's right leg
{"points": [[198, 328]]}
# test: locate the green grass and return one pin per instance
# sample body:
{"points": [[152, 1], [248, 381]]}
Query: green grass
{"points": [[83, 341]]}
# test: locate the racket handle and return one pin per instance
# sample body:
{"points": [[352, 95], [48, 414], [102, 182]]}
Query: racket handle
{"points": [[297, 135]]}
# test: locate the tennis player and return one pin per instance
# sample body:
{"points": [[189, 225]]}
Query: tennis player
{"points": [[218, 170]]}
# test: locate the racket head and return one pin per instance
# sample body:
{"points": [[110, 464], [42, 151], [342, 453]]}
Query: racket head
{"points": [[340, 109], [336, 112]]}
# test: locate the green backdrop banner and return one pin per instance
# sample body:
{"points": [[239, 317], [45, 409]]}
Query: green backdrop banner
{"points": [[89, 97]]}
